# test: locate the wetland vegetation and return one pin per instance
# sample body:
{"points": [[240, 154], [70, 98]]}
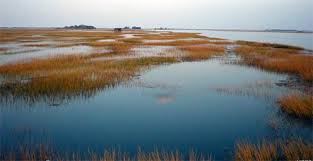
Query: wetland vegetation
{"points": [[110, 60]]}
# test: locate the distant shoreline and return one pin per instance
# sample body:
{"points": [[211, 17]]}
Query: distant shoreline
{"points": [[187, 29], [246, 30]]}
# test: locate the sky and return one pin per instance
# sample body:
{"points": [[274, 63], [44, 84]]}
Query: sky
{"points": [[213, 14]]}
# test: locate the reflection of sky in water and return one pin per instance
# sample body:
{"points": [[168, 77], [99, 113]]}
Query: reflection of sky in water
{"points": [[164, 99], [47, 52], [174, 107]]}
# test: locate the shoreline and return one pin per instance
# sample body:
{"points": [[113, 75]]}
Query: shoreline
{"points": [[179, 29]]}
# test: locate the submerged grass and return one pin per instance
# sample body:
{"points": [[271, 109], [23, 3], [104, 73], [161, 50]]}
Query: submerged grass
{"points": [[278, 60], [272, 151], [297, 105]]}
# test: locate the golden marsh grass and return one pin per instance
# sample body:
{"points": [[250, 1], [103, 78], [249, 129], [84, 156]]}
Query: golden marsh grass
{"points": [[272, 45], [272, 151], [297, 105], [69, 76], [170, 36], [179, 43], [75, 75], [195, 53], [278, 60], [46, 153]]}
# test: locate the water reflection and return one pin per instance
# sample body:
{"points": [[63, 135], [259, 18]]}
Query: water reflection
{"points": [[165, 99], [238, 105]]}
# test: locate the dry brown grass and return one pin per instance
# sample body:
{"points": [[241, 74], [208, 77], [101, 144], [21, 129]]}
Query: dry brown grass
{"points": [[220, 42], [170, 36], [178, 43], [261, 152], [38, 45], [297, 105], [272, 151], [195, 53], [10, 35], [272, 45], [68, 76], [278, 60], [47, 153]]}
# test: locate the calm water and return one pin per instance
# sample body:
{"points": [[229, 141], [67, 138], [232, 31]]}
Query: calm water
{"points": [[304, 40], [208, 106]]}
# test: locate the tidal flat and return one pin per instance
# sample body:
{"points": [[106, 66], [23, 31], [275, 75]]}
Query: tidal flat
{"points": [[152, 95]]}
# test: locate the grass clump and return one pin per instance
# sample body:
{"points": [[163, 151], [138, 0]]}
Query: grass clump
{"points": [[195, 53], [278, 150], [297, 105], [278, 60]]}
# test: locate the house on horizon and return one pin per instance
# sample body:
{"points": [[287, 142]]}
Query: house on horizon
{"points": [[118, 29], [136, 28]]}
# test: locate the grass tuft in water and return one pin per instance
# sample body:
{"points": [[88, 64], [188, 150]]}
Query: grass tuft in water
{"points": [[272, 151], [297, 105], [195, 53]]}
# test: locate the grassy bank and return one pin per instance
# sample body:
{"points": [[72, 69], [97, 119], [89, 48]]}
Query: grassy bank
{"points": [[283, 60]]}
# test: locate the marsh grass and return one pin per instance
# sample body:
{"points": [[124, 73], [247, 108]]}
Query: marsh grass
{"points": [[67, 77], [179, 43], [170, 36], [272, 151], [78, 76], [38, 45], [278, 60], [272, 45], [297, 105], [195, 53], [42, 152]]}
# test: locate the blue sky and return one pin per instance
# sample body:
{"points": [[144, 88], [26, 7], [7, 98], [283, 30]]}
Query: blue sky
{"points": [[229, 14]]}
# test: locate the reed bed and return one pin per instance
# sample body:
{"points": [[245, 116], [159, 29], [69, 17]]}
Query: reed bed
{"points": [[272, 151], [39, 45], [272, 45], [195, 53], [297, 105], [295, 149], [170, 36], [278, 60], [43, 152], [68, 77], [224, 42], [178, 43]]}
